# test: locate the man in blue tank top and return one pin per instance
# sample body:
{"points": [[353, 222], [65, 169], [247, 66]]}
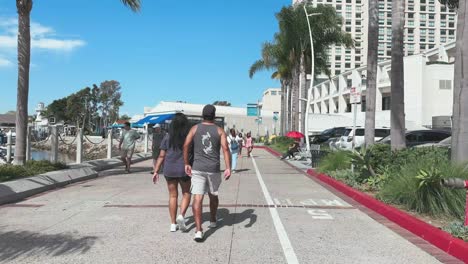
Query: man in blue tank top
{"points": [[207, 139]]}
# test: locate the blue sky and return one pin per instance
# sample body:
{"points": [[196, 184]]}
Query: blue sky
{"points": [[194, 51]]}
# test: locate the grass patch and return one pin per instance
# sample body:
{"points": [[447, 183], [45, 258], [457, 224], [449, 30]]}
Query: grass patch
{"points": [[334, 161], [33, 167], [281, 144]]}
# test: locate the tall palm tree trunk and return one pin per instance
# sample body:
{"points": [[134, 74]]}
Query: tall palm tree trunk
{"points": [[371, 84], [397, 108], [460, 91], [294, 101], [283, 108], [303, 93], [24, 8]]}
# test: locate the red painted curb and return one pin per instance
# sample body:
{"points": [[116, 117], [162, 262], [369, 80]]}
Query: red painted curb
{"points": [[453, 246]]}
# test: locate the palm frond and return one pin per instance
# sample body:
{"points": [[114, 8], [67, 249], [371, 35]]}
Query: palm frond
{"points": [[134, 5]]}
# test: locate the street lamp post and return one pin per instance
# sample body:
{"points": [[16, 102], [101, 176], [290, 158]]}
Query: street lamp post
{"points": [[309, 92]]}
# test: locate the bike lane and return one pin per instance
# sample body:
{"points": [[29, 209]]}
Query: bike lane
{"points": [[323, 228]]}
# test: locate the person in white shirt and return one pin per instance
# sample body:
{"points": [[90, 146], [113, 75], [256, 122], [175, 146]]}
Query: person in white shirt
{"points": [[233, 144]]}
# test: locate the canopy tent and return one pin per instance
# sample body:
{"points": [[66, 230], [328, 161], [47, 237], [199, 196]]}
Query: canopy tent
{"points": [[154, 119]]}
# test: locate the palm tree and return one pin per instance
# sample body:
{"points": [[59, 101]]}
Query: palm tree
{"points": [[397, 115], [24, 8], [289, 54], [371, 83], [460, 90]]}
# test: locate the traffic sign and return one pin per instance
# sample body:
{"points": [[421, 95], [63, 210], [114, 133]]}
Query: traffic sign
{"points": [[355, 95]]}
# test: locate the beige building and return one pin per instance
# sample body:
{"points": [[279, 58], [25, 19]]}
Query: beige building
{"points": [[428, 24], [271, 100]]}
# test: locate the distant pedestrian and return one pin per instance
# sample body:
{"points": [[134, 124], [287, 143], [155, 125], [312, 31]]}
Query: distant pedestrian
{"points": [[127, 145], [207, 139], [249, 144], [171, 154], [158, 135], [240, 140], [292, 149], [233, 148]]}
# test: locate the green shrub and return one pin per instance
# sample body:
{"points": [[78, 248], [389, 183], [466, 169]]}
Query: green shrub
{"points": [[457, 229], [335, 160], [281, 143], [417, 186], [347, 176], [10, 172]]}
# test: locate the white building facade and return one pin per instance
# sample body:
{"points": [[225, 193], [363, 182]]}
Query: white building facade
{"points": [[427, 25], [428, 92], [234, 117]]}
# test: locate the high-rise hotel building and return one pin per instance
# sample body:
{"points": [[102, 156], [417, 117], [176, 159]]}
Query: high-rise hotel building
{"points": [[428, 24]]}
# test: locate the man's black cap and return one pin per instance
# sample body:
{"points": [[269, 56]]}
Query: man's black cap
{"points": [[209, 112]]}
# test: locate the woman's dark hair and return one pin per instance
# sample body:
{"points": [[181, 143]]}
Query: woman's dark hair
{"points": [[178, 130]]}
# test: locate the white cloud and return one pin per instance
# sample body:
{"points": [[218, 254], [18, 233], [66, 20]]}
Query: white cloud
{"points": [[55, 44], [5, 63], [42, 37]]}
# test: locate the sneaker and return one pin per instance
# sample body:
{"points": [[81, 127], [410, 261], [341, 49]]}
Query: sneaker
{"points": [[213, 225], [173, 227], [234, 171], [198, 236], [181, 222]]}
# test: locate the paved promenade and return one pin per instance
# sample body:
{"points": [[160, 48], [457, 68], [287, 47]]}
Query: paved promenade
{"points": [[269, 213]]}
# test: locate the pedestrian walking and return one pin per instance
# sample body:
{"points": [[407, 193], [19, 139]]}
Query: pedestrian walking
{"points": [[158, 135], [207, 139], [127, 145], [171, 155], [249, 144], [233, 148], [240, 140]]}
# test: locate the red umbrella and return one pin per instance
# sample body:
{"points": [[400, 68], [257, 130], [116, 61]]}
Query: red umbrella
{"points": [[295, 134]]}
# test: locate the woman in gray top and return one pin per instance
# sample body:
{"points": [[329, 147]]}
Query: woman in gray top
{"points": [[171, 154]]}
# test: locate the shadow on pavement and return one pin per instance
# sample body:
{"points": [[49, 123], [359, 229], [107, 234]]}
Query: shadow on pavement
{"points": [[241, 170], [14, 244], [225, 218]]}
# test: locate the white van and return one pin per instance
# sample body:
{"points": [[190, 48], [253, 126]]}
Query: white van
{"points": [[346, 141]]}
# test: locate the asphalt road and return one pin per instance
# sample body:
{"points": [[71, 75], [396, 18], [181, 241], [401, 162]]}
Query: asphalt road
{"points": [[269, 213]]}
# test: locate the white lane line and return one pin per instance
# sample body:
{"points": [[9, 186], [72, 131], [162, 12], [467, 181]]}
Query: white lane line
{"points": [[288, 250]]}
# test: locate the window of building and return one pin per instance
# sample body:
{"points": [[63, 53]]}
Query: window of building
{"points": [[337, 72], [348, 22], [337, 58], [410, 30], [443, 32], [445, 84], [357, 51], [422, 23], [410, 15], [357, 58], [363, 104], [348, 8], [347, 65], [431, 31], [431, 16], [389, 53], [451, 17], [431, 39], [451, 24], [348, 57], [422, 8], [386, 101], [410, 46], [349, 15], [411, 23], [411, 38], [358, 22], [422, 39], [273, 92], [338, 8], [423, 32], [381, 37], [451, 32], [337, 49], [422, 47], [431, 46], [358, 15], [422, 16], [443, 39], [381, 30], [348, 51], [349, 83], [431, 24], [431, 9], [348, 29]]}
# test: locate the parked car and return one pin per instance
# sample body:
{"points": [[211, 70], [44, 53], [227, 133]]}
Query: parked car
{"points": [[420, 137], [346, 141], [446, 143], [328, 134]]}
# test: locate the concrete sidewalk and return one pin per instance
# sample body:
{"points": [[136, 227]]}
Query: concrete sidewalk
{"points": [[269, 213]]}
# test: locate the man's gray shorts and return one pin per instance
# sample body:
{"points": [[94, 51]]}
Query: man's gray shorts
{"points": [[205, 182]]}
